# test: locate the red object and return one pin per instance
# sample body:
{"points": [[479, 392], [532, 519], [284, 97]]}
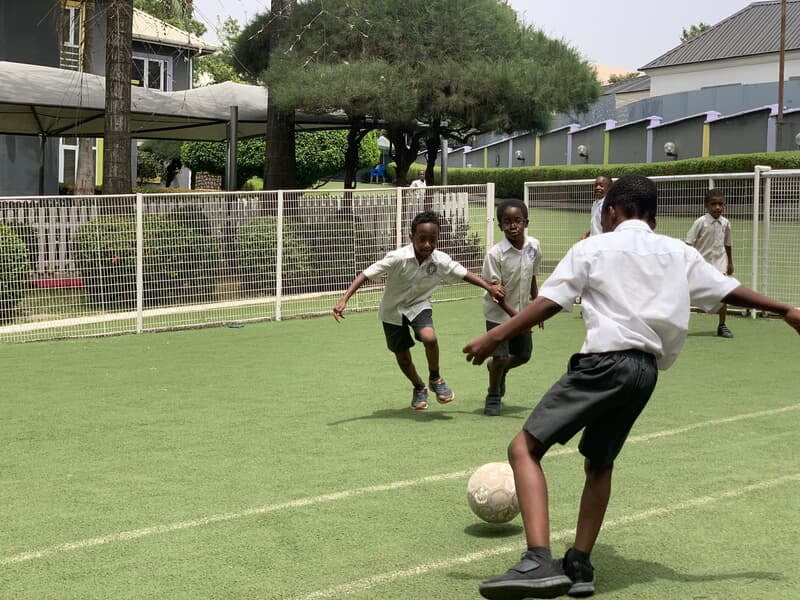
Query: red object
{"points": [[59, 283]]}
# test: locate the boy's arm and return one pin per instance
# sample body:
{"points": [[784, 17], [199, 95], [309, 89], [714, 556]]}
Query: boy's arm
{"points": [[537, 311], [535, 294], [747, 298], [495, 289], [338, 310], [729, 253]]}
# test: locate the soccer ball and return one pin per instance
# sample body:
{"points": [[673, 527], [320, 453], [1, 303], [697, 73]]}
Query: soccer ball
{"points": [[491, 493]]}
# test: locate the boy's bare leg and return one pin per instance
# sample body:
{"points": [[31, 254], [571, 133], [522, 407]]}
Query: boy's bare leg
{"points": [[407, 367], [427, 336], [594, 501], [496, 370], [723, 313], [525, 453]]}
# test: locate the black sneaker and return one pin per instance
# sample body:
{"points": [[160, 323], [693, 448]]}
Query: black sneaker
{"points": [[581, 573], [723, 331], [492, 405], [533, 576]]}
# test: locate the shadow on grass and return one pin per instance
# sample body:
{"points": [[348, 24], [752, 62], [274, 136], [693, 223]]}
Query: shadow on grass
{"points": [[615, 572], [435, 412], [703, 334], [493, 530]]}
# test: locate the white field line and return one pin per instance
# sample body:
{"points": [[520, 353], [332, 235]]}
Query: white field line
{"points": [[384, 578], [342, 495]]}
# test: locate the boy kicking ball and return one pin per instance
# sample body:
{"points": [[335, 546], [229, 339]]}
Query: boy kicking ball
{"points": [[636, 287], [412, 275]]}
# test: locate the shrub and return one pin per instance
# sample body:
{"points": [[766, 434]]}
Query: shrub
{"points": [[255, 249], [178, 264], [510, 182], [13, 272], [192, 217], [27, 234], [254, 184]]}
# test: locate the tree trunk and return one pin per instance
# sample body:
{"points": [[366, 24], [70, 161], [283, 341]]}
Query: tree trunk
{"points": [[432, 145], [354, 137], [117, 148], [404, 154], [85, 176], [279, 157]]}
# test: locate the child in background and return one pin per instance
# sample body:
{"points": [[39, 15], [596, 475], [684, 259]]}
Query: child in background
{"points": [[711, 235], [513, 263], [412, 275]]}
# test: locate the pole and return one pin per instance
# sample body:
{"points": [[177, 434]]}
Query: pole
{"points": [[781, 61], [233, 138]]}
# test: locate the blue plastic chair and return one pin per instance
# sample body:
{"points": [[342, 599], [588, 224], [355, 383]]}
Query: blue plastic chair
{"points": [[378, 174]]}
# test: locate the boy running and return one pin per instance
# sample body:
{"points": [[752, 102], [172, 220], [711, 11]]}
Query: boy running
{"points": [[412, 275], [636, 287]]}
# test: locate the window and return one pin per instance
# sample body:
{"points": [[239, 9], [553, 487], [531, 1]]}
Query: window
{"points": [[152, 72], [72, 36], [68, 159]]}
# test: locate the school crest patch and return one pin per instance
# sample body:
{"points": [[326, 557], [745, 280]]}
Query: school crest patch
{"points": [[431, 268]]}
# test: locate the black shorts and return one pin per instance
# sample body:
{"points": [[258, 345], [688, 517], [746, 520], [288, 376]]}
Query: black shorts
{"points": [[603, 394], [520, 346], [398, 337]]}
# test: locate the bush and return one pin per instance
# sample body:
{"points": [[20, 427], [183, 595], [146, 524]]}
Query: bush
{"points": [[179, 265], [14, 268], [254, 184], [192, 217], [510, 182], [27, 234], [255, 249]]}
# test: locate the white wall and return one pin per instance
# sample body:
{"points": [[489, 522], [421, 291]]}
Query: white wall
{"points": [[750, 69]]}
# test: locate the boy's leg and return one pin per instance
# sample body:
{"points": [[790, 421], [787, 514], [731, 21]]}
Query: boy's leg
{"points": [[722, 328], [425, 333], [594, 502], [406, 364], [399, 341]]}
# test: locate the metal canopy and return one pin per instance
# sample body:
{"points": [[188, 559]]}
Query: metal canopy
{"points": [[51, 102]]}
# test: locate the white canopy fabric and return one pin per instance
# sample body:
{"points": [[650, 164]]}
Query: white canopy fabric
{"points": [[37, 100]]}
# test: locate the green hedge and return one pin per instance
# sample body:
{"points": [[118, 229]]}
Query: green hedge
{"points": [[509, 182], [13, 272], [255, 247], [179, 265]]}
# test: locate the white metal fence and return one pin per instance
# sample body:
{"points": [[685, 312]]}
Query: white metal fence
{"points": [[101, 265], [763, 207]]}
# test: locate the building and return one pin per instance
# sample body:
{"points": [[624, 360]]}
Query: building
{"points": [[49, 33]]}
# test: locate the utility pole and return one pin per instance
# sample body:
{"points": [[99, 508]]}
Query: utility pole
{"points": [[117, 147], [781, 61]]}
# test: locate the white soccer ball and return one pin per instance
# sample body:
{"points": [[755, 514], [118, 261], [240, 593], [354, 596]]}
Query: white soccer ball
{"points": [[491, 493]]}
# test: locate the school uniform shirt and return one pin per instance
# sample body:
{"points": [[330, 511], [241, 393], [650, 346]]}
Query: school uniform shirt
{"points": [[409, 284], [514, 269], [417, 183], [595, 228], [636, 287], [710, 236]]}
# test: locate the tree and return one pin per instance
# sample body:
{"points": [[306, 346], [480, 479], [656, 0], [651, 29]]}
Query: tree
{"points": [[619, 78], [694, 31], [117, 148], [219, 67], [174, 12], [84, 173], [422, 69]]}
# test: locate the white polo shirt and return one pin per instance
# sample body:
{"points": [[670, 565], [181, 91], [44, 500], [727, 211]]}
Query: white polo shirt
{"points": [[595, 228], [710, 236], [409, 284], [636, 287], [513, 268]]}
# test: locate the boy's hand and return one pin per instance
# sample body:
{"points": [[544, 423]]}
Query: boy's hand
{"points": [[338, 311], [793, 318], [498, 292], [479, 349]]}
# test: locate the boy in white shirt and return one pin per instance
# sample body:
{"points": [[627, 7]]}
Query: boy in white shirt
{"points": [[514, 263], [602, 183], [636, 287], [413, 273], [420, 180], [711, 235]]}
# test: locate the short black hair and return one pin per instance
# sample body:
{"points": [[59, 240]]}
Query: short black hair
{"points": [[714, 193], [604, 176], [511, 203], [635, 195], [425, 217]]}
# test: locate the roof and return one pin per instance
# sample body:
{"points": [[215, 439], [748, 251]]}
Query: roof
{"points": [[636, 84], [749, 32], [147, 28]]}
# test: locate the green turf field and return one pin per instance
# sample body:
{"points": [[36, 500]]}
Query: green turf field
{"points": [[281, 461]]}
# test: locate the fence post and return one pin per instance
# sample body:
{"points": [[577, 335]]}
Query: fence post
{"points": [[756, 209], [767, 224], [398, 225], [279, 258], [490, 213], [139, 261]]}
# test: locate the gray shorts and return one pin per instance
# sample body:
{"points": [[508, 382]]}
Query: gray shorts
{"points": [[603, 394], [398, 337], [519, 346]]}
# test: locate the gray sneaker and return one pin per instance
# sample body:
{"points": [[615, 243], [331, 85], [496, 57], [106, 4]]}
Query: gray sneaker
{"points": [[443, 392], [581, 572], [419, 399], [723, 331], [533, 576], [492, 405]]}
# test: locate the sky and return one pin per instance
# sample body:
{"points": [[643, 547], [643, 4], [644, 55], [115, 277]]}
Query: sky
{"points": [[624, 34]]}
